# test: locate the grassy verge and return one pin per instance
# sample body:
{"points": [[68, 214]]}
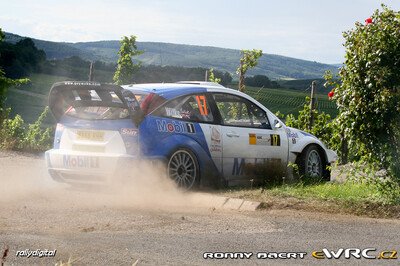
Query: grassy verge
{"points": [[30, 105], [332, 197]]}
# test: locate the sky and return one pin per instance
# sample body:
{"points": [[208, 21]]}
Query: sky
{"points": [[305, 29]]}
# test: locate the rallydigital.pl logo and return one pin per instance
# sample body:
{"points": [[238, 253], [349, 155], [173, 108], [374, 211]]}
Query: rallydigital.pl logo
{"points": [[38, 253]]}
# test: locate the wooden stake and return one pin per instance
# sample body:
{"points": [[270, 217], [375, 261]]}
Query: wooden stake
{"points": [[312, 103], [91, 72]]}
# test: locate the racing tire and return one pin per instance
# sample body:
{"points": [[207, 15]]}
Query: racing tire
{"points": [[312, 164], [183, 169]]}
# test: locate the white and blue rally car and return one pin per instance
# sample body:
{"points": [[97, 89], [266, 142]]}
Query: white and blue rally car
{"points": [[203, 132]]}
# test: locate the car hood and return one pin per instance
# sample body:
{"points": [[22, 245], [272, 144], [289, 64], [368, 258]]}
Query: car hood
{"points": [[297, 133]]}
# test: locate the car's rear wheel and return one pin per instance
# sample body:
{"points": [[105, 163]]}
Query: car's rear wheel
{"points": [[312, 163], [183, 168]]}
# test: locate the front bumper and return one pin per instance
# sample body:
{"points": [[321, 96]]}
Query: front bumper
{"points": [[331, 156]]}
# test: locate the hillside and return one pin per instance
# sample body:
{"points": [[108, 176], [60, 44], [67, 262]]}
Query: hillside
{"points": [[157, 53]]}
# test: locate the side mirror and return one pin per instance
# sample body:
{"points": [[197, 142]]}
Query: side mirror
{"points": [[277, 124]]}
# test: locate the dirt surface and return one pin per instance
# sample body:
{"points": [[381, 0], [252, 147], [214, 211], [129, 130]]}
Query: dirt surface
{"points": [[155, 224]]}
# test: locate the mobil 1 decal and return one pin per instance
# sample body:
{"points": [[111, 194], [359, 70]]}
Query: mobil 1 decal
{"points": [[265, 139], [174, 126]]}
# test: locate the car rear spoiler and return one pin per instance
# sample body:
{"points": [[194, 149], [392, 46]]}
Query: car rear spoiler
{"points": [[78, 93]]}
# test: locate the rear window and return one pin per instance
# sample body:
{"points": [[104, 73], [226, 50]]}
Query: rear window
{"points": [[98, 112], [92, 100], [95, 105]]}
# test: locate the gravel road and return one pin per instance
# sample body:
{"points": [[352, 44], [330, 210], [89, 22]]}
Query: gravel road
{"points": [[159, 225]]}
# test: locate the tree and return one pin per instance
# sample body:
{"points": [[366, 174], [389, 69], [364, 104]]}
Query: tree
{"points": [[126, 68], [20, 59], [6, 83], [260, 81], [368, 95], [226, 78], [248, 60], [212, 77]]}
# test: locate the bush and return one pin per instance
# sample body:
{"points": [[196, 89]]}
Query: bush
{"points": [[36, 138], [11, 131], [323, 128], [16, 135], [368, 96], [386, 187]]}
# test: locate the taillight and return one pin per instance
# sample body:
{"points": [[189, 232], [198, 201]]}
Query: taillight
{"points": [[60, 127], [146, 103]]}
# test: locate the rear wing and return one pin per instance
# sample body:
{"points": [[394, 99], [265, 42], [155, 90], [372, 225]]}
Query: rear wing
{"points": [[73, 94]]}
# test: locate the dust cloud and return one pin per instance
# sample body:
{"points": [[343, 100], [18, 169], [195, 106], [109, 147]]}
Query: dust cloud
{"points": [[24, 181]]}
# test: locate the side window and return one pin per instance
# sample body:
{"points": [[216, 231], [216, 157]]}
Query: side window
{"points": [[190, 107], [238, 111]]}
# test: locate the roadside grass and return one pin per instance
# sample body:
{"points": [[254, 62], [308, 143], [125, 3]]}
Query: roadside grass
{"points": [[333, 197], [28, 107], [32, 103], [346, 192], [41, 83]]}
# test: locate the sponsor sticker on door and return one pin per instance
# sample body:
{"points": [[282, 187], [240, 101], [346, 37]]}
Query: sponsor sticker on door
{"points": [[175, 127], [264, 139]]}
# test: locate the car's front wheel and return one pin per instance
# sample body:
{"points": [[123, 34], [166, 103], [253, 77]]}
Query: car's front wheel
{"points": [[311, 163], [183, 168]]}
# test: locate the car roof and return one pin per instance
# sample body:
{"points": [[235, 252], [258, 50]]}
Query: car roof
{"points": [[171, 90], [207, 83]]}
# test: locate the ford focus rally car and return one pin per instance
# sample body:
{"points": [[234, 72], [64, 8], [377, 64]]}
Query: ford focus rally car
{"points": [[204, 133]]}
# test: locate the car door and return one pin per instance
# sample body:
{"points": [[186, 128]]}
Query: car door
{"points": [[193, 112], [251, 147]]}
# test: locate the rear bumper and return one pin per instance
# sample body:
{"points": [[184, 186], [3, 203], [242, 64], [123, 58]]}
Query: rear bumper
{"points": [[92, 168]]}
